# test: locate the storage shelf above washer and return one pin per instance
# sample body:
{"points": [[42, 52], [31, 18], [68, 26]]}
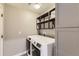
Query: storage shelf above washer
{"points": [[53, 19], [46, 21]]}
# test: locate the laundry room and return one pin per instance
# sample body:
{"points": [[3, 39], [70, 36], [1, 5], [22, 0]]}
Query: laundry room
{"points": [[39, 29], [28, 29]]}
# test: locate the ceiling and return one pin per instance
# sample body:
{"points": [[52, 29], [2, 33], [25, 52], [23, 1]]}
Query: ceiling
{"points": [[44, 7]]}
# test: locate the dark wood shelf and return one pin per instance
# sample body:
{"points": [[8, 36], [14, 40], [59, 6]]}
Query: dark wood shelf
{"points": [[48, 24], [45, 14], [53, 19], [44, 21], [52, 10], [46, 28], [42, 16]]}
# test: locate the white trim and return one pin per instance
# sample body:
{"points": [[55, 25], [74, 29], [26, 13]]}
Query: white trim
{"points": [[1, 31], [20, 54], [1, 47]]}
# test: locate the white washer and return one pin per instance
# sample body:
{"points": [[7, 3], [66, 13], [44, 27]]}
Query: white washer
{"points": [[42, 45]]}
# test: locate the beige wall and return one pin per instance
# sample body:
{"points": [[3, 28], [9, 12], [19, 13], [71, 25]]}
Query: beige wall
{"points": [[17, 21], [49, 32], [18, 24]]}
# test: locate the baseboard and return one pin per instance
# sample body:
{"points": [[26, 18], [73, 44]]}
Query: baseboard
{"points": [[21, 54]]}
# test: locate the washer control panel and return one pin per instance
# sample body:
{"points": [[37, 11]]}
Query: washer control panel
{"points": [[38, 45]]}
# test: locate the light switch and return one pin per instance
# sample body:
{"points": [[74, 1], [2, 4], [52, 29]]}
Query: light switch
{"points": [[1, 15]]}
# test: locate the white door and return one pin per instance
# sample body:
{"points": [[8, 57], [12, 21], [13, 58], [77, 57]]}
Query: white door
{"points": [[68, 42], [1, 30], [67, 15]]}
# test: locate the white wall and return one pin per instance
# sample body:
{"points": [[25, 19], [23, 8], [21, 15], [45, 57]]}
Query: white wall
{"points": [[18, 24]]}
